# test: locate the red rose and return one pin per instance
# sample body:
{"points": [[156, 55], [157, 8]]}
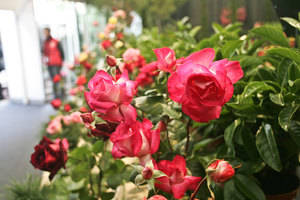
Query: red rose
{"points": [[158, 197], [166, 59], [81, 80], [146, 74], [50, 156], [110, 98], [220, 171], [176, 181], [106, 44], [67, 107], [120, 36], [87, 65], [83, 109], [203, 86], [56, 78], [104, 130], [135, 140], [111, 61], [56, 103]]}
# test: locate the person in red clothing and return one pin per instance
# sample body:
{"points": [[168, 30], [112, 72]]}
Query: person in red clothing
{"points": [[54, 55]]}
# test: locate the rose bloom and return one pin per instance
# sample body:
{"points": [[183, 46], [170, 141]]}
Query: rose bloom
{"points": [[166, 59], [157, 197], [110, 98], [120, 36], [54, 125], [220, 171], [56, 78], [106, 44], [50, 156], [81, 80], [146, 73], [56, 103], [131, 55], [135, 140], [87, 65], [67, 120], [176, 182], [203, 86], [119, 14], [75, 116], [67, 107]]}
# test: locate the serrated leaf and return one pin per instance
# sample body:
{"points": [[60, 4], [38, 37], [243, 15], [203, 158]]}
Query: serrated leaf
{"points": [[271, 34], [293, 22], [230, 47], [267, 147], [229, 135], [285, 116], [248, 187], [286, 53], [256, 87], [231, 192], [277, 99]]}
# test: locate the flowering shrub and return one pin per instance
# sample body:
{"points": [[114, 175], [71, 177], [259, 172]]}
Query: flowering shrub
{"points": [[210, 121]]}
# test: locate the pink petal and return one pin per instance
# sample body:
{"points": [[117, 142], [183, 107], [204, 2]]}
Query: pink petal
{"points": [[234, 71], [203, 57], [228, 91], [201, 113], [176, 87], [178, 190], [163, 184], [179, 162], [165, 59], [129, 113], [155, 141], [192, 182]]}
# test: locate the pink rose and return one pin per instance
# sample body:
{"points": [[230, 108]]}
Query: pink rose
{"points": [[158, 197], [76, 118], [110, 98], [67, 120], [203, 86], [176, 181], [131, 55], [135, 140], [166, 59], [220, 171], [54, 125]]}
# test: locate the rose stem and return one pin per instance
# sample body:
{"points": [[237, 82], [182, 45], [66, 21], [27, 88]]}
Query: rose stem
{"points": [[197, 189], [187, 137]]}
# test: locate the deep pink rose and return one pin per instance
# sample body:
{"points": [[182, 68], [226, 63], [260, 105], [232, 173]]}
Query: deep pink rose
{"points": [[220, 171], [166, 60], [50, 156], [203, 86], [106, 44], [131, 55], [157, 197], [54, 125], [135, 140], [110, 98], [176, 182]]}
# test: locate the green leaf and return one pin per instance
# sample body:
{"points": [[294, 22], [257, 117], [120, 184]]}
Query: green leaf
{"points": [[294, 72], [248, 187], [98, 146], [80, 171], [267, 147], [194, 31], [286, 53], [277, 99], [167, 110], [293, 22], [231, 192], [294, 131], [286, 115], [229, 48], [256, 87], [271, 34], [229, 135]]}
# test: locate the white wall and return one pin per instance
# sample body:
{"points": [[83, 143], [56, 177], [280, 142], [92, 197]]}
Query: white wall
{"points": [[22, 55]]}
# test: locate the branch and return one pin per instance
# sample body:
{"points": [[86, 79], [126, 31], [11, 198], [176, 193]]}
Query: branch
{"points": [[197, 189]]}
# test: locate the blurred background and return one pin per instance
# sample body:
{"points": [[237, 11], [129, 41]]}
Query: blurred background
{"points": [[25, 86]]}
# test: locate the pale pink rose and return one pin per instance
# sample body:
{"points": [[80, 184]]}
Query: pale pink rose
{"points": [[67, 120], [75, 116], [131, 55], [54, 125]]}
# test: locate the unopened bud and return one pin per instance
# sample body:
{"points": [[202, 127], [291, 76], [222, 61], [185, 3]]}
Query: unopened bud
{"points": [[147, 173], [87, 117], [111, 61]]}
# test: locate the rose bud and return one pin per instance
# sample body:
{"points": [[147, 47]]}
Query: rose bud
{"points": [[87, 117], [56, 78], [157, 197], [87, 65], [50, 156], [220, 171], [81, 80], [56, 103], [111, 61], [67, 107], [147, 173]]}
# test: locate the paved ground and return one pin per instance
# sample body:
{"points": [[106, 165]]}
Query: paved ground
{"points": [[19, 131]]}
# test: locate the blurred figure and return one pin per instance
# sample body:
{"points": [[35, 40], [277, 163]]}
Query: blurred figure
{"points": [[1, 69], [54, 56]]}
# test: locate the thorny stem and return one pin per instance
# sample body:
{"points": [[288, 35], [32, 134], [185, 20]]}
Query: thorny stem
{"points": [[197, 189], [187, 136]]}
